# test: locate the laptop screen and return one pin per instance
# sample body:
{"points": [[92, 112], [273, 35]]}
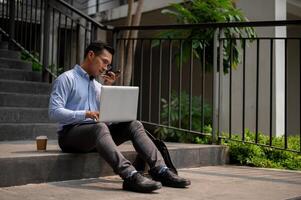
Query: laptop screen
{"points": [[118, 103]]}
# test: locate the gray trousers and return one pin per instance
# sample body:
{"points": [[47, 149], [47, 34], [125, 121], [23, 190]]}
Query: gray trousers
{"points": [[104, 139]]}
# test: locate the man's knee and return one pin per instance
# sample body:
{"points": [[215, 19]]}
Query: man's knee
{"points": [[136, 128], [136, 125], [101, 129]]}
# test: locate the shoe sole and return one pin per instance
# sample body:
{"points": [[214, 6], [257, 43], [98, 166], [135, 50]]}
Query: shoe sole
{"points": [[178, 185], [142, 190]]}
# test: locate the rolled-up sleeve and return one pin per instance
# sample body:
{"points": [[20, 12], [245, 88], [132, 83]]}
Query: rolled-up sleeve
{"points": [[61, 89]]}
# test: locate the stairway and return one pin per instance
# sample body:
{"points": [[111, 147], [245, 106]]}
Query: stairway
{"points": [[23, 99], [24, 115]]}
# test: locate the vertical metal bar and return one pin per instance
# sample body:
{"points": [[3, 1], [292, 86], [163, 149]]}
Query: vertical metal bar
{"points": [[169, 81], [36, 25], [150, 81], [2, 13], [125, 43], [300, 94], [91, 32], [58, 42], [42, 3], [26, 25], [30, 27], [97, 6], [190, 84], [114, 42], [230, 88], [133, 62], [65, 45], [116, 58], [286, 95], [244, 91], [159, 80], [77, 39], [11, 24], [22, 22], [271, 91], [257, 90], [141, 79], [180, 83], [203, 86], [52, 43], [71, 43], [45, 76], [19, 20], [7, 16], [16, 22], [85, 37], [216, 87]]}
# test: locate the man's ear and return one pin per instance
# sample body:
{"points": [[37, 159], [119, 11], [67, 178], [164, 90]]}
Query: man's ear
{"points": [[91, 55]]}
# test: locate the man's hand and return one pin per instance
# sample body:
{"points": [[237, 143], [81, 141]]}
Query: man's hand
{"points": [[93, 115], [110, 78]]}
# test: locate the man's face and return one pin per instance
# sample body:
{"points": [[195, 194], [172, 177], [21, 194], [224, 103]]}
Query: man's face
{"points": [[99, 63]]}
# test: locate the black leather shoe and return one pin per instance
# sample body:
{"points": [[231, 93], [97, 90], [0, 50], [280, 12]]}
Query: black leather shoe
{"points": [[169, 179], [139, 183]]}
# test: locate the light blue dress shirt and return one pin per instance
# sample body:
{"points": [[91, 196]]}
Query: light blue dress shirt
{"points": [[73, 93]]}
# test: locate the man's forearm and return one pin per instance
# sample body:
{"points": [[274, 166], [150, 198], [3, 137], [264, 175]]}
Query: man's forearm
{"points": [[66, 116]]}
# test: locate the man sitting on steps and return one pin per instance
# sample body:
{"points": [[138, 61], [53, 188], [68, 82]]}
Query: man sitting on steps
{"points": [[74, 103]]}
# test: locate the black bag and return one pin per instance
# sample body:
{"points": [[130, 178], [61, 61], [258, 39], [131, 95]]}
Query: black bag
{"points": [[139, 163]]}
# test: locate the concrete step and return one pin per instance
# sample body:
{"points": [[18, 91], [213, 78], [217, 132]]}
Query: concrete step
{"points": [[27, 131], [21, 164], [15, 64], [22, 75], [24, 100], [26, 87], [10, 54], [23, 115]]}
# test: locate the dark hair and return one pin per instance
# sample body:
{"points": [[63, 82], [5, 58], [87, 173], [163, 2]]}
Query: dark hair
{"points": [[97, 47]]}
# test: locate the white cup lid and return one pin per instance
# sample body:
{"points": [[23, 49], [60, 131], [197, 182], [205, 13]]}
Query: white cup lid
{"points": [[42, 137]]}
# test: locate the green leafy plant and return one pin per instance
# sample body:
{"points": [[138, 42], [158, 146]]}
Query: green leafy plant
{"points": [[55, 69], [196, 112], [36, 66], [205, 11], [260, 156]]}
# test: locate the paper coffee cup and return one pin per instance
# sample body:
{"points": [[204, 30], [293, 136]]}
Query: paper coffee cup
{"points": [[41, 143]]}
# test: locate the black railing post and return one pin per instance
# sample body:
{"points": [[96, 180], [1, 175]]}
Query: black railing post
{"points": [[216, 88], [46, 32], [11, 24], [114, 43]]}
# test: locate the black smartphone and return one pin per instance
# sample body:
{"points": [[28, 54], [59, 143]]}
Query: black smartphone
{"points": [[117, 72]]}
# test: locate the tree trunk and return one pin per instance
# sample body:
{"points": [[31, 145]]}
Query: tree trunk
{"points": [[131, 47], [122, 45], [126, 49]]}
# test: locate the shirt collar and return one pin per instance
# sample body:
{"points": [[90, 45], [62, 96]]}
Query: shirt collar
{"points": [[81, 72]]}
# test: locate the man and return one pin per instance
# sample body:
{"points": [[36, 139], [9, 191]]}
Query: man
{"points": [[74, 103]]}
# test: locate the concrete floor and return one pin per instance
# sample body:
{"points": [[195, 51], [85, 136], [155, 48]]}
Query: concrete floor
{"points": [[214, 182]]}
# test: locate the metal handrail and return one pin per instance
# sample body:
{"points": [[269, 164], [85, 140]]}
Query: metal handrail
{"points": [[211, 25], [83, 15]]}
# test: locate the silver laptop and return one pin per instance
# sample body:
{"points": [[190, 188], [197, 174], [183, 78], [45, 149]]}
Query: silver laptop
{"points": [[118, 103]]}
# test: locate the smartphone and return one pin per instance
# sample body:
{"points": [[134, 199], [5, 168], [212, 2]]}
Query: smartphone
{"points": [[117, 72]]}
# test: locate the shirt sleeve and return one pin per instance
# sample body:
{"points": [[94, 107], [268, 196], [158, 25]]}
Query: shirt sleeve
{"points": [[61, 89]]}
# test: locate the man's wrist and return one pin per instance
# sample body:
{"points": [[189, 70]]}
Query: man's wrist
{"points": [[80, 114], [87, 114]]}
